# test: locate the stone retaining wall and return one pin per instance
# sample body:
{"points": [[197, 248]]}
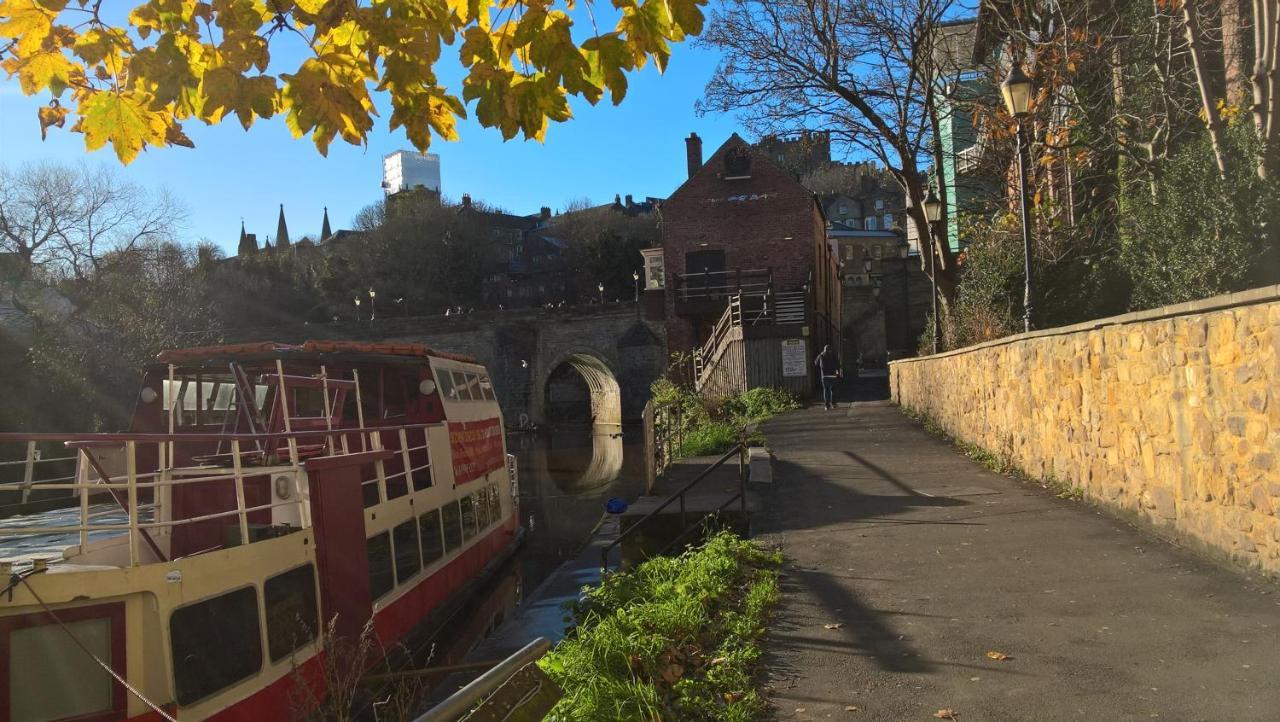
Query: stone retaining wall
{"points": [[1172, 413]]}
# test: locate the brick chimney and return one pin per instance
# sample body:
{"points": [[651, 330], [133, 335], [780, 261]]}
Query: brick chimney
{"points": [[693, 152]]}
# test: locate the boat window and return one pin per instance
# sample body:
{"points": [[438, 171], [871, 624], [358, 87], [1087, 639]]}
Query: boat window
{"points": [[50, 678], [468, 517], [215, 644], [407, 560], [495, 505], [432, 541], [461, 386], [482, 508], [486, 388], [291, 610], [444, 380], [452, 526], [381, 577]]}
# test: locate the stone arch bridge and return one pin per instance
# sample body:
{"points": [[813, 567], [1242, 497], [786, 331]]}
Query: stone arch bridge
{"points": [[611, 351]]}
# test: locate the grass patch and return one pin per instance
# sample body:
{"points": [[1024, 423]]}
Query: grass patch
{"points": [[675, 638], [711, 426]]}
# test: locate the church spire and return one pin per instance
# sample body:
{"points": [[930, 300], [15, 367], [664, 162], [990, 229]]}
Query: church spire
{"points": [[248, 244], [282, 231], [325, 231]]}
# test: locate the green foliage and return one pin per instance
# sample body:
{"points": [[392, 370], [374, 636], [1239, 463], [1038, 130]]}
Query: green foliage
{"points": [[674, 638], [602, 245], [708, 426], [760, 403], [1198, 235], [710, 437]]}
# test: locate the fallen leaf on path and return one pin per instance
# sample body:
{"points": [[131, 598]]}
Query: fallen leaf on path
{"points": [[945, 714], [718, 660], [851, 708], [834, 625], [998, 656]]}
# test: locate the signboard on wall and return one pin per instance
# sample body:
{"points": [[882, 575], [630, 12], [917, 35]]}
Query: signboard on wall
{"points": [[795, 360], [476, 447]]}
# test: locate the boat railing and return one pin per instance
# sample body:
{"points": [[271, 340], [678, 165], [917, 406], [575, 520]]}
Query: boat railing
{"points": [[138, 473]]}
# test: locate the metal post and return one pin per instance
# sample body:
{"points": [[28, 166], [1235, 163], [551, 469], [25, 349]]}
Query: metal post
{"points": [[1026, 227], [239, 482], [82, 478], [131, 472], [933, 284], [742, 482], [404, 454]]}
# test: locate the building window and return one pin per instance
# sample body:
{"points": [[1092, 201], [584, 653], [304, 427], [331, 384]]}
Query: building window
{"points": [[432, 541], [215, 643], [381, 575], [876, 250], [452, 526], [291, 610], [871, 223], [888, 221], [844, 210], [405, 536], [879, 204]]}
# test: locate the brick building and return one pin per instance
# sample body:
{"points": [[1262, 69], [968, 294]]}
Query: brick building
{"points": [[742, 227]]}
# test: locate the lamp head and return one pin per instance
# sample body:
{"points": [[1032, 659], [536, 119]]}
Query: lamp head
{"points": [[1016, 89]]}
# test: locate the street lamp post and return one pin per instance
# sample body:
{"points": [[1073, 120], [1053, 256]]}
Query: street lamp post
{"points": [[904, 252], [635, 276], [373, 309], [357, 300], [600, 288], [1017, 89], [932, 212]]}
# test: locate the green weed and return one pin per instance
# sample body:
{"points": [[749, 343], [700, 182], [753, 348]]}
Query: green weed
{"points": [[675, 638]]}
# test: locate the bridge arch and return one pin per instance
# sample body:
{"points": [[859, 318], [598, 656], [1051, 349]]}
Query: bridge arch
{"points": [[602, 389]]}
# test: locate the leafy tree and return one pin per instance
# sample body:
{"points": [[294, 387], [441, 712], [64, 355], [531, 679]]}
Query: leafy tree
{"points": [[602, 245], [133, 83]]}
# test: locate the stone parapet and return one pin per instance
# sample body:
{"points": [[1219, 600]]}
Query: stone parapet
{"points": [[1172, 413]]}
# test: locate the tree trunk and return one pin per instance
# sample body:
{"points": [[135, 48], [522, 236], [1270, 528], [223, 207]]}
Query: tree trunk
{"points": [[1212, 119], [1266, 85]]}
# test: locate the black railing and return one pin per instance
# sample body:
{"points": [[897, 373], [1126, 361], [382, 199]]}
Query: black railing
{"points": [[740, 496], [708, 285]]}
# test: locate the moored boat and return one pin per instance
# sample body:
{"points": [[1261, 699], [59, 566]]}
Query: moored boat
{"points": [[263, 493]]}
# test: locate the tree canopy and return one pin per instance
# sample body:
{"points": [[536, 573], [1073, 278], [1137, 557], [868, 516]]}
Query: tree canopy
{"points": [[133, 83]]}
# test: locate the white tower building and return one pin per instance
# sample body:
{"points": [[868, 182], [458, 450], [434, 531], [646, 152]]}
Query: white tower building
{"points": [[406, 169]]}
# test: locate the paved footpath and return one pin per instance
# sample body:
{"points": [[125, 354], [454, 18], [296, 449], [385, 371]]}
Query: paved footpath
{"points": [[927, 562]]}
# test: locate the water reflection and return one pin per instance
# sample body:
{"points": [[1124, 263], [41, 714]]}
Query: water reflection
{"points": [[566, 475]]}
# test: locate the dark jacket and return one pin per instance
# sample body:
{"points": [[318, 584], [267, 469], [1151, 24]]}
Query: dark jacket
{"points": [[827, 363]]}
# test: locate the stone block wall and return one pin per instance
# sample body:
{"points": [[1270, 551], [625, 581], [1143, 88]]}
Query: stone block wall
{"points": [[1172, 413]]}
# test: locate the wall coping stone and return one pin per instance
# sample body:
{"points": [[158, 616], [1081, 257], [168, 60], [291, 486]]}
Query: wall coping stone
{"points": [[1251, 297]]}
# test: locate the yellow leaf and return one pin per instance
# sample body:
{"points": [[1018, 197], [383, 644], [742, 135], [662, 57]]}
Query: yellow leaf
{"points": [[52, 114], [225, 91], [121, 119], [27, 22], [998, 656], [327, 97], [44, 69]]}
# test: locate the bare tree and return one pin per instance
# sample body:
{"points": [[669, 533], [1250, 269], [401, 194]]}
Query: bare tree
{"points": [[63, 220], [864, 70]]}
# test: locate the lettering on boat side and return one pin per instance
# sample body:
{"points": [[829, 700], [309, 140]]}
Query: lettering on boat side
{"points": [[476, 447]]}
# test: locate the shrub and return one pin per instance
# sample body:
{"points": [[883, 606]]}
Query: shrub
{"points": [[712, 437]]}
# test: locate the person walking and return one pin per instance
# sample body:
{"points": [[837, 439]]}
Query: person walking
{"points": [[828, 365]]}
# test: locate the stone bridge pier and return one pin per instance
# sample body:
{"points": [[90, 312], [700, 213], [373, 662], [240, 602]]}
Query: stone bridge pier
{"points": [[591, 363]]}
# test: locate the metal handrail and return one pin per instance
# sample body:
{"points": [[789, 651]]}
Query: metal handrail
{"points": [[461, 702], [738, 449]]}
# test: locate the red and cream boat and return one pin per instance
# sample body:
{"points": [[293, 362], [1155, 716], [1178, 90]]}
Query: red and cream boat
{"points": [[263, 492]]}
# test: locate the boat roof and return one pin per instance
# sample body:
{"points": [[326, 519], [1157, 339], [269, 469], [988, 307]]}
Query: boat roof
{"points": [[314, 348]]}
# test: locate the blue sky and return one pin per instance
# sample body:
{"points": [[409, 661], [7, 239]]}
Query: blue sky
{"points": [[635, 148]]}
